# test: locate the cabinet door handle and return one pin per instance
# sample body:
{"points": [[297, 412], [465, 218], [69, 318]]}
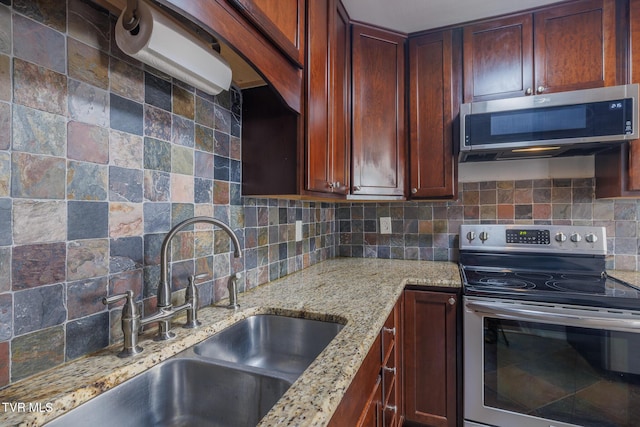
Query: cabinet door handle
{"points": [[541, 89], [357, 188], [452, 301], [392, 331], [528, 91], [414, 190], [392, 408]]}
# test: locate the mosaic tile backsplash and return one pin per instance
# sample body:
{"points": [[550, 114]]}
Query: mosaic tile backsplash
{"points": [[100, 156]]}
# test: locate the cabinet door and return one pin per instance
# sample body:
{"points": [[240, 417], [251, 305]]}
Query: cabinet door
{"points": [[634, 146], [618, 170], [328, 77], [283, 21], [498, 58], [318, 143], [340, 106], [362, 401], [372, 415], [575, 46], [430, 357], [434, 101], [378, 146]]}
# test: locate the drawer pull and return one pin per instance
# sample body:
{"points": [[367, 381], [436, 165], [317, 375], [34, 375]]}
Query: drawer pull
{"points": [[391, 331], [388, 369], [392, 408]]}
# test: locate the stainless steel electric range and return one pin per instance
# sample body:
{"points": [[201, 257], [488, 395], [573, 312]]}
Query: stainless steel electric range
{"points": [[550, 339]]}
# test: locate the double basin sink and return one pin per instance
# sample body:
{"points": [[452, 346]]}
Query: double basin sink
{"points": [[230, 379]]}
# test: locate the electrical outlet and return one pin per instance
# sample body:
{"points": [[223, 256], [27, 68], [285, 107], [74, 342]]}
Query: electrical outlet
{"points": [[385, 225], [298, 231]]}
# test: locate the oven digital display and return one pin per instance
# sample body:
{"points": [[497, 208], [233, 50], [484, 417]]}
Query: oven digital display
{"points": [[528, 237]]}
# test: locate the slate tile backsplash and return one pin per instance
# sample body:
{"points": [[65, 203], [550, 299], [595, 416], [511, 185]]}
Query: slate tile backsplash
{"points": [[100, 156]]}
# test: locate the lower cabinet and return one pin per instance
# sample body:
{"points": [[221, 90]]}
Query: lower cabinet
{"points": [[431, 363], [374, 397]]}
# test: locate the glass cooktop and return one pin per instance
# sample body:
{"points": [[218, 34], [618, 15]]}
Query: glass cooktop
{"points": [[569, 288]]}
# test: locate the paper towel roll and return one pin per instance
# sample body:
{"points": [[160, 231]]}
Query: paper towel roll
{"points": [[162, 43]]}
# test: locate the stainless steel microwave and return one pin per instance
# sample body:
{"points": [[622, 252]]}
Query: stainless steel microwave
{"points": [[575, 123]]}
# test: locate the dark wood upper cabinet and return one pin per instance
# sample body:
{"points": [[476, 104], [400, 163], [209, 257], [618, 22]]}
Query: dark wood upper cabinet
{"points": [[328, 132], [575, 46], [282, 21], [431, 364], [566, 47], [378, 112], [498, 58], [618, 171], [434, 101]]}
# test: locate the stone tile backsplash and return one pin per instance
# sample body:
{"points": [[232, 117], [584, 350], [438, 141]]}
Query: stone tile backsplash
{"points": [[100, 156], [430, 230]]}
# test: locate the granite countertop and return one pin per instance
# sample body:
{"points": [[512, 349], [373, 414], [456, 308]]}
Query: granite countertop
{"points": [[355, 291], [631, 277]]}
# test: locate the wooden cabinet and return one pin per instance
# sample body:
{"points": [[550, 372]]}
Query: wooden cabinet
{"points": [[328, 131], [378, 113], [227, 23], [431, 365], [374, 397], [618, 171], [566, 47], [282, 21], [434, 101], [391, 370]]}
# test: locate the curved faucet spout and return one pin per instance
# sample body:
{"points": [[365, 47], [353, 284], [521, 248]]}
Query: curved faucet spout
{"points": [[164, 287]]}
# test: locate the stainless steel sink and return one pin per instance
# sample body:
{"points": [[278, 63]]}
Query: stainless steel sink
{"points": [[182, 392], [277, 344], [231, 379]]}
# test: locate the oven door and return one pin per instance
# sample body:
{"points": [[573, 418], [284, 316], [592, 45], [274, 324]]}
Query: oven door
{"points": [[541, 365]]}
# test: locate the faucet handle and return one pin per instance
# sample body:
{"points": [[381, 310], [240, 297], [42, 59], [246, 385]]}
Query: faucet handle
{"points": [[192, 297], [130, 322], [130, 310], [200, 276], [233, 291]]}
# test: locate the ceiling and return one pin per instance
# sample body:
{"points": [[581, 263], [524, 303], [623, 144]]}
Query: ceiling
{"points": [[409, 16]]}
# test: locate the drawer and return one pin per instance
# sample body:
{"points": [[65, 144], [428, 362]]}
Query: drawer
{"points": [[389, 334], [390, 413], [389, 372]]}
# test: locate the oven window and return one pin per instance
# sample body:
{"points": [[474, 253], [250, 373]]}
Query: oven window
{"points": [[575, 375]]}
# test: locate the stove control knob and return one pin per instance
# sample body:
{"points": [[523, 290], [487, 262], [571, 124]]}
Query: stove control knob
{"points": [[575, 237], [484, 236], [591, 238], [471, 236], [561, 237]]}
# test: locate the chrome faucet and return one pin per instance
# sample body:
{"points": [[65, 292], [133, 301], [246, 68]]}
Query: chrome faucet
{"points": [[132, 322], [164, 287]]}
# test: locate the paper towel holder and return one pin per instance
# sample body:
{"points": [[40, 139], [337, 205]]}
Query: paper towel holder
{"points": [[130, 20], [149, 34]]}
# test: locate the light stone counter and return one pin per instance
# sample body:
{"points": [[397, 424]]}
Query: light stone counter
{"points": [[631, 277], [357, 292]]}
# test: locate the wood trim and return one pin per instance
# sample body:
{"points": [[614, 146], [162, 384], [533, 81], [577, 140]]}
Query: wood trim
{"points": [[226, 23], [294, 49]]}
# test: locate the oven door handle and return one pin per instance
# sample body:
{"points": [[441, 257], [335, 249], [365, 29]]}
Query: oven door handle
{"points": [[579, 318]]}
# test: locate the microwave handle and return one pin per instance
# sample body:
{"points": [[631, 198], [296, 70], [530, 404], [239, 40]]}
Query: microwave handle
{"points": [[578, 318]]}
